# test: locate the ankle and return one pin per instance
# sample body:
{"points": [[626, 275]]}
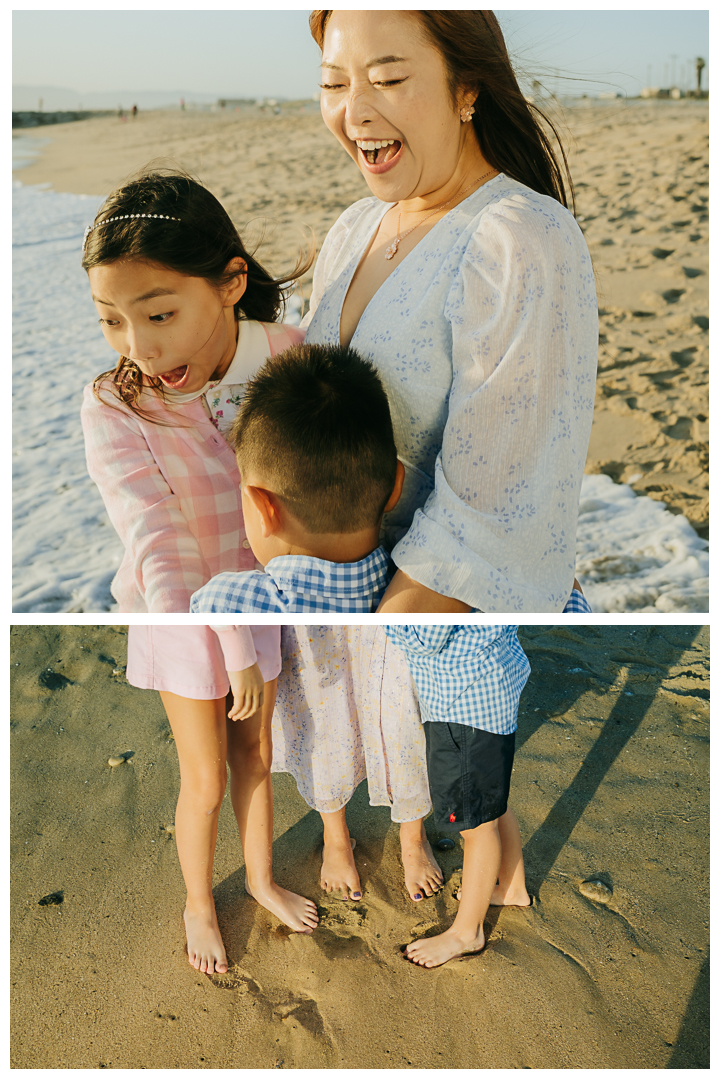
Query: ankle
{"points": [[412, 832], [200, 906]]}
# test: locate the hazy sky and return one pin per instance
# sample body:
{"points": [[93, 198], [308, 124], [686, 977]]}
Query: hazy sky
{"points": [[248, 53]]}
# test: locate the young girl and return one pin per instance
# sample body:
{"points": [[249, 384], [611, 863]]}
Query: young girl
{"points": [[192, 316], [192, 666]]}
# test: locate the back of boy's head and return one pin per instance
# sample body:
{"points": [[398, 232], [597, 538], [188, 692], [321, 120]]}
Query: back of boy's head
{"points": [[314, 427], [169, 218]]}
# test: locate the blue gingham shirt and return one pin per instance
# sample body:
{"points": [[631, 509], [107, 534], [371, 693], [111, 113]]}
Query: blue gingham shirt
{"points": [[299, 583], [470, 675]]}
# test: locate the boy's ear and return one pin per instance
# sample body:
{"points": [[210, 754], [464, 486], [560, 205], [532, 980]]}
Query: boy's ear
{"points": [[268, 507], [397, 489], [235, 288]]}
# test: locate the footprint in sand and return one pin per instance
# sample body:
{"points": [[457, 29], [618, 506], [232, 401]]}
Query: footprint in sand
{"points": [[53, 899], [53, 680]]}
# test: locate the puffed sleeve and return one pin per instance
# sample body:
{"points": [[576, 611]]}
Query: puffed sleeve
{"points": [[237, 646], [498, 531], [164, 555]]}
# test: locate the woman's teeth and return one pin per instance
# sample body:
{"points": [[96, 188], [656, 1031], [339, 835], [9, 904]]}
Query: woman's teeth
{"points": [[370, 148]]}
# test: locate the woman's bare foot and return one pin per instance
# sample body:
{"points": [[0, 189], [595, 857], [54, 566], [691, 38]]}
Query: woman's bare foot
{"points": [[423, 876], [433, 951], [338, 872], [290, 908], [205, 948]]}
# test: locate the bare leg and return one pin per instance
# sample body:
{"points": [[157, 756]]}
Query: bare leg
{"points": [[423, 876], [199, 731], [338, 872], [249, 754], [510, 890], [481, 866]]}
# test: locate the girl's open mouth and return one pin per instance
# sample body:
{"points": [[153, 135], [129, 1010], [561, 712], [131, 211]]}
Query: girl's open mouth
{"points": [[176, 378], [379, 154]]}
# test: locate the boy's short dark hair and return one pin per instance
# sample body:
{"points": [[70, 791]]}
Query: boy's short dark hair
{"points": [[315, 426]]}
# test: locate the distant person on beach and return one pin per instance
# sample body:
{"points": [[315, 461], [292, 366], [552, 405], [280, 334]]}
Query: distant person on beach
{"points": [[134, 111], [469, 680], [469, 285], [193, 668], [318, 469], [192, 316]]}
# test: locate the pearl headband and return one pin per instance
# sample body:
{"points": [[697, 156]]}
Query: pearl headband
{"points": [[123, 217]]}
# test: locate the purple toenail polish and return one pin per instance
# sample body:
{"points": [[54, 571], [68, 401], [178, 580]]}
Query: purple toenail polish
{"points": [[417, 896]]}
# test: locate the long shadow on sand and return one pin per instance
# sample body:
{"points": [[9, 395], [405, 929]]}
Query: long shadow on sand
{"points": [[692, 1049], [546, 843]]}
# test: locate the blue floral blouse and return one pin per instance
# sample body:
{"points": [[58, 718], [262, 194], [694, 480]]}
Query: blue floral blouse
{"points": [[486, 339]]}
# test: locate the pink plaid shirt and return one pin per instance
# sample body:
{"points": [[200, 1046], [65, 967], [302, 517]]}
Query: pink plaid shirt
{"points": [[172, 494]]}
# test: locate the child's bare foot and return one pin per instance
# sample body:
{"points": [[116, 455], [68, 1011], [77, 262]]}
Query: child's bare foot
{"points": [[505, 898], [423, 876], [205, 948], [338, 872], [433, 951], [290, 908]]}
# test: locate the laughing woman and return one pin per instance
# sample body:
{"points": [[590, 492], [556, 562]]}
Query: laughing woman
{"points": [[467, 281]]}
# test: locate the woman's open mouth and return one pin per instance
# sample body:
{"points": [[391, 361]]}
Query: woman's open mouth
{"points": [[176, 378], [379, 154]]}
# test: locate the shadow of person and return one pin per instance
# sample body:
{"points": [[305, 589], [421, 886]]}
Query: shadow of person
{"points": [[648, 652], [692, 1047]]}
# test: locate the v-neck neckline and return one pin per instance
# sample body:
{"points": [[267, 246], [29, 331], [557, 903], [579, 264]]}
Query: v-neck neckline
{"points": [[403, 261]]}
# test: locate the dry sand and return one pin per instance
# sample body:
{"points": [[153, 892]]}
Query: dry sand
{"points": [[641, 173], [611, 782]]}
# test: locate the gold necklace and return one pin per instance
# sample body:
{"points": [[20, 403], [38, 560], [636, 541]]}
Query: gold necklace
{"points": [[391, 251]]}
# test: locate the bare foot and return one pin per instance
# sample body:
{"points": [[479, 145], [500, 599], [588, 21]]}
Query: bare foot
{"points": [[205, 948], [293, 910], [433, 951], [503, 898], [423, 876], [338, 872]]}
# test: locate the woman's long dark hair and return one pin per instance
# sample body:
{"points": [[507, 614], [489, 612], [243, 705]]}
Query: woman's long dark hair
{"points": [[185, 229], [510, 130]]}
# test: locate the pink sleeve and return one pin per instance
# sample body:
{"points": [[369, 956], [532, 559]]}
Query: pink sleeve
{"points": [[164, 554], [282, 336], [237, 645]]}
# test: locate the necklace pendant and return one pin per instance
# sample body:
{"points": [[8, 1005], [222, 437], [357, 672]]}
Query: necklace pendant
{"points": [[392, 250]]}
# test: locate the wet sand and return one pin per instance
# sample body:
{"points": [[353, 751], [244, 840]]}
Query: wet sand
{"points": [[610, 784], [641, 175]]}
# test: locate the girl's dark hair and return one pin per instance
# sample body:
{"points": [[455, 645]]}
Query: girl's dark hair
{"points": [[192, 235], [510, 130]]}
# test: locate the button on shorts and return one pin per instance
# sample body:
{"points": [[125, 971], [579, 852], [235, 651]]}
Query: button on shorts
{"points": [[469, 773]]}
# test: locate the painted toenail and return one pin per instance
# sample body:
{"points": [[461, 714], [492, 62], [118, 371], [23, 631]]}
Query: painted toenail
{"points": [[356, 894], [417, 896]]}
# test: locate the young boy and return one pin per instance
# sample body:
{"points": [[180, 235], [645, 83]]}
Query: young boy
{"points": [[469, 680], [318, 469]]}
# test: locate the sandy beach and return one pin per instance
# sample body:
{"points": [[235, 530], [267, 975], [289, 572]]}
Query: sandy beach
{"points": [[610, 784], [641, 176]]}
